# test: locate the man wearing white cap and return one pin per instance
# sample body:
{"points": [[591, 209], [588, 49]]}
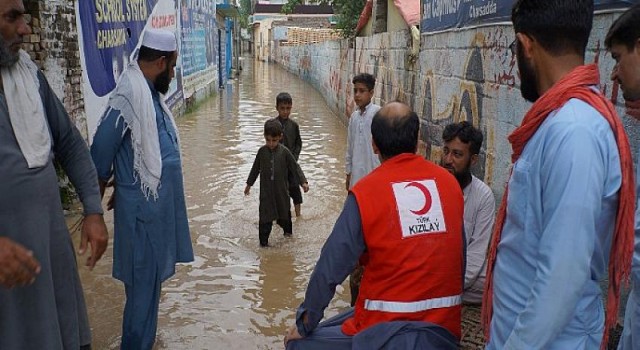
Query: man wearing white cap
{"points": [[137, 144], [41, 299]]}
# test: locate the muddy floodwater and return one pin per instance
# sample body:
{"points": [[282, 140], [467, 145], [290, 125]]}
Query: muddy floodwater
{"points": [[236, 295]]}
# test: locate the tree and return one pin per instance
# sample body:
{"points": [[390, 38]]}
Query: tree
{"points": [[347, 11], [245, 12]]}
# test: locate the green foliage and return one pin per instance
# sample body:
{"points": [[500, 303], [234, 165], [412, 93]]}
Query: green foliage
{"points": [[347, 12], [245, 12]]}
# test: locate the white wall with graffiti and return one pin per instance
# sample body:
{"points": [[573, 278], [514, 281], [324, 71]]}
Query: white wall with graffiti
{"points": [[462, 74]]}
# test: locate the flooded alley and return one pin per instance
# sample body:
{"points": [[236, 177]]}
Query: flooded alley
{"points": [[237, 295]]}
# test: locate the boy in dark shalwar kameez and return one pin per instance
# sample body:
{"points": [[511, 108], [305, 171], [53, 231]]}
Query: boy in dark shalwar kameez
{"points": [[273, 163]]}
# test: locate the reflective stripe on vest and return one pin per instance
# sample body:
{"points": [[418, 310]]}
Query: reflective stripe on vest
{"points": [[413, 306]]}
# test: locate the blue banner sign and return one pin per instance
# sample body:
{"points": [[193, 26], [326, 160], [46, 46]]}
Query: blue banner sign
{"points": [[438, 15], [110, 32], [199, 36]]}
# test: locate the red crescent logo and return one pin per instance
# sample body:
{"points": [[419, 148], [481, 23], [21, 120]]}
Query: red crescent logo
{"points": [[427, 198]]}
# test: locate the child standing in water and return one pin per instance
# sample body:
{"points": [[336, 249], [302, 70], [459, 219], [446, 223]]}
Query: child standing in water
{"points": [[273, 163], [292, 140]]}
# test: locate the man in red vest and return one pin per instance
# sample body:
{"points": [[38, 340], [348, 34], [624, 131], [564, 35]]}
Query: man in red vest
{"points": [[404, 222]]}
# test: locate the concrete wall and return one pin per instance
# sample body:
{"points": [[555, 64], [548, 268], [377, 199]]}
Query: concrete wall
{"points": [[329, 67], [459, 75]]}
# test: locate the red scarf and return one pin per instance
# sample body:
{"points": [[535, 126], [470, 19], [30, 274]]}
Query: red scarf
{"points": [[577, 84]]}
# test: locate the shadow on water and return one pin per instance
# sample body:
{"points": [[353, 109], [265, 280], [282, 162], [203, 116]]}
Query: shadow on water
{"points": [[236, 295]]}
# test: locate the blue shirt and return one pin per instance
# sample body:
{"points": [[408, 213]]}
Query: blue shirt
{"points": [[162, 221], [630, 338], [635, 269], [554, 250]]}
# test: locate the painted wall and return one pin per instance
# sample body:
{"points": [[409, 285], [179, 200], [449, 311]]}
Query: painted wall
{"points": [[395, 21], [329, 66], [459, 75], [367, 30]]}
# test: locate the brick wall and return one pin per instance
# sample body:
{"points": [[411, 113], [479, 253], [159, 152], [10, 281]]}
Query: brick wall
{"points": [[53, 45]]}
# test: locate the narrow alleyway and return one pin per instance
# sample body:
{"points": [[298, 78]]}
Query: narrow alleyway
{"points": [[237, 295]]}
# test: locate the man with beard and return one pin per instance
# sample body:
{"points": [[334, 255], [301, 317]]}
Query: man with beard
{"points": [[41, 299], [462, 144], [137, 143], [567, 213], [623, 41]]}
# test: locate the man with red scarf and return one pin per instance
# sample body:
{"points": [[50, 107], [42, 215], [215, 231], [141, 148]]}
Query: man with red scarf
{"points": [[566, 220], [623, 41]]}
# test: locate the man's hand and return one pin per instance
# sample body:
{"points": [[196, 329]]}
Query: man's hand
{"points": [[292, 334], [346, 185], [305, 187], [18, 267], [247, 190], [112, 199], [94, 232]]}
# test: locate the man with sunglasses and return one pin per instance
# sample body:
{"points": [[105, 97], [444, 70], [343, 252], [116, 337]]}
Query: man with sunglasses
{"points": [[567, 215], [137, 143]]}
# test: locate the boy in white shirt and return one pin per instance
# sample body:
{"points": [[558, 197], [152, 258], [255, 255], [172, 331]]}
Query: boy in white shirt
{"points": [[360, 159]]}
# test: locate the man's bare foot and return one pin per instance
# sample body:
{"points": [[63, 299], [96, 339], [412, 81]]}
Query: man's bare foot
{"points": [[297, 208]]}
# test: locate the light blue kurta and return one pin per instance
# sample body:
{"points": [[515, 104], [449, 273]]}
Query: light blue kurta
{"points": [[554, 250], [630, 339], [161, 222]]}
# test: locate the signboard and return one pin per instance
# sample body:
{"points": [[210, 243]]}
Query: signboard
{"points": [[199, 43], [109, 31], [438, 15]]}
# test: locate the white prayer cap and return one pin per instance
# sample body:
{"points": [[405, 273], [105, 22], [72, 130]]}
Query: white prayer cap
{"points": [[160, 39]]}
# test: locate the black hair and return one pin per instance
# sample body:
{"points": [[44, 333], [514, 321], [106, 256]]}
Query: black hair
{"points": [[466, 132], [560, 26], [283, 98], [147, 54], [625, 30], [395, 135], [365, 78], [273, 128]]}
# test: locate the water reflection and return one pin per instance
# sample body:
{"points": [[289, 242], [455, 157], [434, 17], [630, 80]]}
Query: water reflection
{"points": [[236, 295], [276, 295]]}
